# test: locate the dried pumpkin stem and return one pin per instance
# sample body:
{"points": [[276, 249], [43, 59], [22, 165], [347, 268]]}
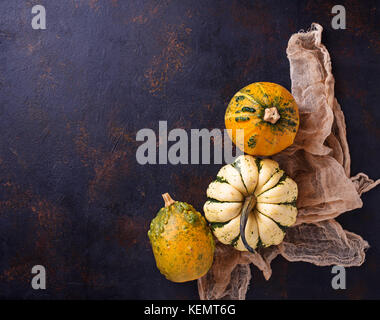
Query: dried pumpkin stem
{"points": [[249, 204], [271, 115], [168, 199]]}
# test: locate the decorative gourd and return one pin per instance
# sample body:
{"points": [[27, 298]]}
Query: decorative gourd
{"points": [[268, 115], [250, 203], [182, 242]]}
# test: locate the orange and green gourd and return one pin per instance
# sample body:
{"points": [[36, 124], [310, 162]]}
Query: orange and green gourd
{"points": [[267, 114], [182, 241]]}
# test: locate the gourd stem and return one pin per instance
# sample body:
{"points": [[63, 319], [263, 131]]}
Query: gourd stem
{"points": [[249, 204], [168, 199], [271, 115]]}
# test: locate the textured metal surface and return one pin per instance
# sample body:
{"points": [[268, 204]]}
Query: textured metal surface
{"points": [[72, 98]]}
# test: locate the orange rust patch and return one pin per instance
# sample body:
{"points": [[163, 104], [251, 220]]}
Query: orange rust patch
{"points": [[16, 197], [109, 166], [170, 61], [140, 19], [114, 166], [51, 219], [257, 18], [119, 135], [46, 78], [94, 4], [149, 11], [31, 47], [87, 154], [19, 272], [129, 230], [49, 228]]}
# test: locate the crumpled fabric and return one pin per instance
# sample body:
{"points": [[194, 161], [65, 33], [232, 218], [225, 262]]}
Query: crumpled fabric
{"points": [[319, 161]]}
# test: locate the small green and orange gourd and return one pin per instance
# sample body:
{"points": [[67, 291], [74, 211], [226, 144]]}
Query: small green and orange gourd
{"points": [[267, 114], [182, 241]]}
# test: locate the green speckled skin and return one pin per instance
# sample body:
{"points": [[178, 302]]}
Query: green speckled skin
{"points": [[182, 242]]}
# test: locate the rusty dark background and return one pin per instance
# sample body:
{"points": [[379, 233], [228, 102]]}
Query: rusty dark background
{"points": [[72, 97]]}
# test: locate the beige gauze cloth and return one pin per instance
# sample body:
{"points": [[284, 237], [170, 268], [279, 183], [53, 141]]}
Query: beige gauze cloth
{"points": [[319, 161]]}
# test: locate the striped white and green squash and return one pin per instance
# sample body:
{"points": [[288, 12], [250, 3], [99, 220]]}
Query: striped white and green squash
{"points": [[251, 203]]}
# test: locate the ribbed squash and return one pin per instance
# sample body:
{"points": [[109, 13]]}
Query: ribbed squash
{"points": [[267, 114], [182, 242], [250, 203]]}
